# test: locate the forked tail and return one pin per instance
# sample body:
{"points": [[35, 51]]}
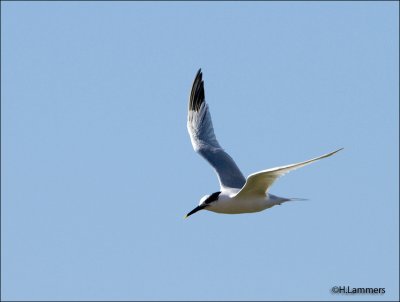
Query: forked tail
{"points": [[297, 199]]}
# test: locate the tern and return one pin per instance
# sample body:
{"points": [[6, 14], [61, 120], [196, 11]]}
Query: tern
{"points": [[237, 195]]}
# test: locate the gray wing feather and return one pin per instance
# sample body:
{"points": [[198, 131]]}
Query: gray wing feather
{"points": [[258, 183], [205, 143]]}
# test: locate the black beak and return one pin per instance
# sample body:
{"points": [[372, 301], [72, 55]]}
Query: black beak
{"points": [[196, 209]]}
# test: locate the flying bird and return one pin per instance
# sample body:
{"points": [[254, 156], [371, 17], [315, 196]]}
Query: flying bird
{"points": [[237, 194]]}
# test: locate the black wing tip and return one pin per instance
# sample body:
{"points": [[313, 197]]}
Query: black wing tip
{"points": [[197, 95], [198, 78]]}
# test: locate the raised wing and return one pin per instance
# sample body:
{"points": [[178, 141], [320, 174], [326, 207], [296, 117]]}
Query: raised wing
{"points": [[259, 183], [205, 143]]}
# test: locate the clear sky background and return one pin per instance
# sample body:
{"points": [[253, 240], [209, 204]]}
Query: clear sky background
{"points": [[98, 170]]}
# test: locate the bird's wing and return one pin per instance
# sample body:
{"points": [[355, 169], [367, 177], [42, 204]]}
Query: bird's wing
{"points": [[259, 182], [205, 143]]}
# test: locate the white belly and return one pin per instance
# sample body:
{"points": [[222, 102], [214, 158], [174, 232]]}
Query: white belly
{"points": [[238, 206]]}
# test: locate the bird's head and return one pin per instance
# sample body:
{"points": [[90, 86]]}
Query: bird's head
{"points": [[204, 202]]}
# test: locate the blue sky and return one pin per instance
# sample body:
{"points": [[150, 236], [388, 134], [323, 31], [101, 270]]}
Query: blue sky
{"points": [[98, 170]]}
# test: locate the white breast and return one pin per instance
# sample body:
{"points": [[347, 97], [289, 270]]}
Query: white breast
{"points": [[228, 204]]}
